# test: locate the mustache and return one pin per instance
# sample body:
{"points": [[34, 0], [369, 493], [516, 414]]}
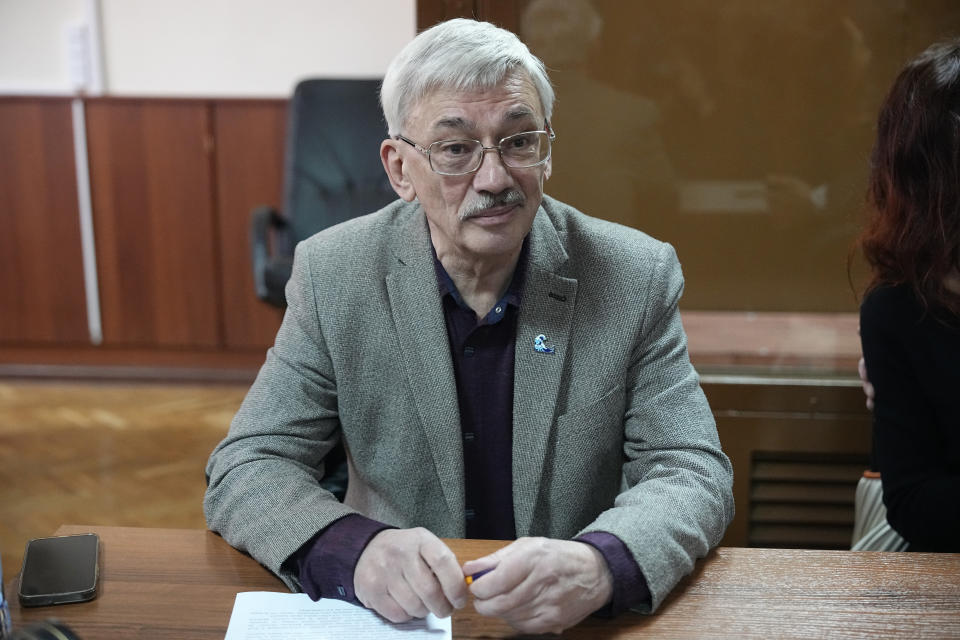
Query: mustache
{"points": [[485, 201]]}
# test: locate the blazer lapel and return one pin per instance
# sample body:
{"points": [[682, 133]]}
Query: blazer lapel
{"points": [[546, 309], [425, 349]]}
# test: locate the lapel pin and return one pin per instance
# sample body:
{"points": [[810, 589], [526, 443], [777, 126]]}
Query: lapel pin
{"points": [[540, 344]]}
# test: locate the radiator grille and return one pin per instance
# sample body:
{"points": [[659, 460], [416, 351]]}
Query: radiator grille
{"points": [[803, 500]]}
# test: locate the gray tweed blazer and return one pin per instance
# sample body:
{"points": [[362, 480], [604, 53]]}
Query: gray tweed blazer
{"points": [[611, 431]]}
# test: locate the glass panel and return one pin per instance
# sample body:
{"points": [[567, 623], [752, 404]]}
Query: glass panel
{"points": [[738, 131]]}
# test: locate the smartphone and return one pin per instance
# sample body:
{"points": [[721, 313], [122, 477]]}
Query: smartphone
{"points": [[59, 570]]}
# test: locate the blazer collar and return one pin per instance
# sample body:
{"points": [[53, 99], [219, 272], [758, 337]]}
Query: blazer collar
{"points": [[546, 312], [425, 349]]}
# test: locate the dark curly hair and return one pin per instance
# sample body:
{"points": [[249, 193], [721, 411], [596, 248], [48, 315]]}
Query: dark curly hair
{"points": [[912, 233]]}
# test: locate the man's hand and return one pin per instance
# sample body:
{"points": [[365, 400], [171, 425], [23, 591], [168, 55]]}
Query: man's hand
{"points": [[408, 573], [540, 585]]}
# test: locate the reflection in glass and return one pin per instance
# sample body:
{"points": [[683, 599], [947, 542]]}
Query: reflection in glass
{"points": [[738, 131]]}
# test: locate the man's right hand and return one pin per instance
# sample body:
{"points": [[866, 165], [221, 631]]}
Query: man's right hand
{"points": [[408, 573]]}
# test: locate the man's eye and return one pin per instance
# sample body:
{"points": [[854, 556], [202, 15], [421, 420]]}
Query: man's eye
{"points": [[453, 149], [521, 141]]}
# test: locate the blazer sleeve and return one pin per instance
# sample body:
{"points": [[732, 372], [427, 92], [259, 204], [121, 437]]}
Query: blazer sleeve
{"points": [[263, 494], [678, 499]]}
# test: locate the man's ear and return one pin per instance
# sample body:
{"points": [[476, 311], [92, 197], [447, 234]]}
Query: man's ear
{"points": [[393, 164], [548, 169]]}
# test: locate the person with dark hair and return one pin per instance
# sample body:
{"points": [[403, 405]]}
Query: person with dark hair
{"points": [[910, 315]]}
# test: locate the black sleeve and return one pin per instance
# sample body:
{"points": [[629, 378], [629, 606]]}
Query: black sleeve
{"points": [[921, 492]]}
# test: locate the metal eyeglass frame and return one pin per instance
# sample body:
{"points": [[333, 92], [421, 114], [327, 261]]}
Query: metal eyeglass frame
{"points": [[551, 136]]}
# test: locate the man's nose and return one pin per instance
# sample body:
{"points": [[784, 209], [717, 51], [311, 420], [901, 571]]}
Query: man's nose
{"points": [[493, 175]]}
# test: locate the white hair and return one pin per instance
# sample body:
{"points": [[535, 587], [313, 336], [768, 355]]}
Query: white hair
{"points": [[459, 54]]}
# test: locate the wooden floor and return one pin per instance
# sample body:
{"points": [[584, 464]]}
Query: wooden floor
{"points": [[109, 454]]}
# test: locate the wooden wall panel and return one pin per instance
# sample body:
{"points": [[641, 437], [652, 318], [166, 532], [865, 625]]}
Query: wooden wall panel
{"points": [[150, 164], [430, 12], [499, 12], [502, 14], [804, 500], [250, 162], [41, 269], [824, 418]]}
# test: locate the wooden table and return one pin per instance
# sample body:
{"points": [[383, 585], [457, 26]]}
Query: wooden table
{"points": [[180, 584]]}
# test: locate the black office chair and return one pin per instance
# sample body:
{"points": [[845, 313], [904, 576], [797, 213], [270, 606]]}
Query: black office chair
{"points": [[332, 173]]}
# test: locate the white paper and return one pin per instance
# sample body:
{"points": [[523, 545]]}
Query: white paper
{"points": [[267, 615]]}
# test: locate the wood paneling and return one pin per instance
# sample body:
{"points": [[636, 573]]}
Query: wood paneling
{"points": [[150, 165], [130, 363], [812, 419], [774, 341], [803, 500], [249, 163], [502, 14], [499, 12], [430, 12], [41, 268]]}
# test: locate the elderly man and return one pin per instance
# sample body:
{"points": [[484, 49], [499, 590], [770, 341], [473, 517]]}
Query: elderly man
{"points": [[497, 365]]}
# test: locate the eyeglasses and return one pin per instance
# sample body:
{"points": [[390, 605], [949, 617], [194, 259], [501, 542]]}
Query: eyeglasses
{"points": [[460, 157]]}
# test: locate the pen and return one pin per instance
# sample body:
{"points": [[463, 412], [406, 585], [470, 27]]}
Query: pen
{"points": [[473, 576]]}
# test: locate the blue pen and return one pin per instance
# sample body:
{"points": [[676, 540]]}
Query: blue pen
{"points": [[473, 576]]}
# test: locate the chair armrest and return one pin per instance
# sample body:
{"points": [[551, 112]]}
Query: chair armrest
{"points": [[264, 221]]}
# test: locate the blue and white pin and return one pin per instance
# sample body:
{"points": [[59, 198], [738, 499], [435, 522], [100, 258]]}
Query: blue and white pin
{"points": [[540, 344]]}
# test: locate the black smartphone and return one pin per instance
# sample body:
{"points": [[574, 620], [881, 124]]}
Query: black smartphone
{"points": [[59, 570]]}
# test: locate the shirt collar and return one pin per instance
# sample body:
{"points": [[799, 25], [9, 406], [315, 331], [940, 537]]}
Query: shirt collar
{"points": [[511, 297]]}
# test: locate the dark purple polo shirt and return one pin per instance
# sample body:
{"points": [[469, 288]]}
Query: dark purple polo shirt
{"points": [[482, 353], [483, 356]]}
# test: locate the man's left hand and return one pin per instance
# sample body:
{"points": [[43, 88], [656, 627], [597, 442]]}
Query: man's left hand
{"points": [[540, 585]]}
